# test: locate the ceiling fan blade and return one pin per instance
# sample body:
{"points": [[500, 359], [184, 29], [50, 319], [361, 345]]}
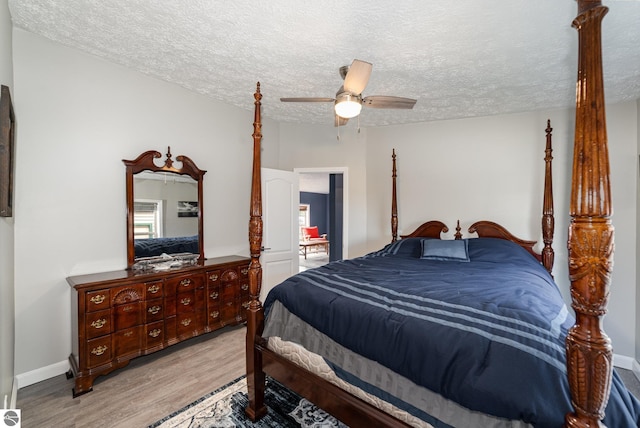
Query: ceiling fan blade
{"points": [[340, 121], [384, 101], [357, 77], [307, 100]]}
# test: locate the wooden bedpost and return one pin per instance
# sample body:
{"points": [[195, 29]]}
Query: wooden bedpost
{"points": [[255, 315], [394, 201], [548, 222], [591, 235]]}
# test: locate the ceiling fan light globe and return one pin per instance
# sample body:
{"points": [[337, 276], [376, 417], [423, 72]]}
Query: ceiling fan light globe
{"points": [[348, 105]]}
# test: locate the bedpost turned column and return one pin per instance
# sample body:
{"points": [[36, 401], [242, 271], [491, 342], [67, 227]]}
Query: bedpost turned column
{"points": [[591, 235], [394, 201], [255, 315], [548, 221]]}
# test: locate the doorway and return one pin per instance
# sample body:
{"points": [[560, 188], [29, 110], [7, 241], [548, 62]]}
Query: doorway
{"points": [[323, 196]]}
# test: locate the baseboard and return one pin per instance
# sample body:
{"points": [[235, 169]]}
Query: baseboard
{"points": [[636, 369], [14, 394], [43, 373], [625, 362]]}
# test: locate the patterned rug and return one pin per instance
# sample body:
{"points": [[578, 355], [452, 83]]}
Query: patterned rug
{"points": [[224, 408]]}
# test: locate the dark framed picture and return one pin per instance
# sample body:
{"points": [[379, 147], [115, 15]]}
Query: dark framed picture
{"points": [[187, 208], [7, 132]]}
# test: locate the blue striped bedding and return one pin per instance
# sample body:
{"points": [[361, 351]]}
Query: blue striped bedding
{"points": [[488, 334]]}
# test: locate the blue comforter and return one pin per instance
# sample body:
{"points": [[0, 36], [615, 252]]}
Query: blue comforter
{"points": [[488, 334], [158, 246]]}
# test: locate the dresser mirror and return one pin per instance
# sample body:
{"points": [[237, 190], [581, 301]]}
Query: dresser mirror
{"points": [[164, 209]]}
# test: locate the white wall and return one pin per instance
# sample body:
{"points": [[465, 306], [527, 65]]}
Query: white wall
{"points": [[307, 146], [79, 117], [622, 128], [637, 323], [6, 231], [492, 168]]}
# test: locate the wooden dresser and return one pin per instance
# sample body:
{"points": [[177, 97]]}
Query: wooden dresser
{"points": [[123, 314]]}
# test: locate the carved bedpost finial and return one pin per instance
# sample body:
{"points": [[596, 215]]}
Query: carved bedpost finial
{"points": [[591, 235], [458, 234], [394, 203], [168, 163], [255, 317], [548, 221], [255, 222]]}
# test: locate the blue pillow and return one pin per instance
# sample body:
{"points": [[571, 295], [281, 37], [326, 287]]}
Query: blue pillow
{"points": [[447, 250]]}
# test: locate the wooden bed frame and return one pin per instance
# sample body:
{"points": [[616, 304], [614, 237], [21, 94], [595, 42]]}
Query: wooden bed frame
{"points": [[590, 254]]}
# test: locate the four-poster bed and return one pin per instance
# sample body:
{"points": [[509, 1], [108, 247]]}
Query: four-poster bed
{"points": [[588, 350]]}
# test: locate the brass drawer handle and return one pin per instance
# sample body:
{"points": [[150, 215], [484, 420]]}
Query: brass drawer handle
{"points": [[98, 299], [213, 277], [127, 309], [128, 333], [99, 323], [154, 309], [215, 314], [185, 301], [245, 271], [186, 322], [214, 295], [185, 282], [244, 287], [155, 332], [99, 350], [153, 289], [245, 305]]}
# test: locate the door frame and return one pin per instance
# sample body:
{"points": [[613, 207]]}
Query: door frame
{"points": [[345, 193]]}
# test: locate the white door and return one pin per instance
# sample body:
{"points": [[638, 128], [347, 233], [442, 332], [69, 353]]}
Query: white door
{"points": [[280, 200]]}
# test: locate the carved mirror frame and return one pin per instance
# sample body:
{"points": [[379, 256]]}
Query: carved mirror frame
{"points": [[145, 162]]}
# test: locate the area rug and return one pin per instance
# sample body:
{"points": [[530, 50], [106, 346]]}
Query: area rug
{"points": [[224, 408]]}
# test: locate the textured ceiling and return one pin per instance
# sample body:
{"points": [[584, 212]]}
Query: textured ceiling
{"points": [[459, 58]]}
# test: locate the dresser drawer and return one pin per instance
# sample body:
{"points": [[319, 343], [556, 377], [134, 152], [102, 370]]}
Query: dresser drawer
{"points": [[154, 290], [99, 351], [189, 324], [214, 316], [97, 300], [127, 315], [153, 310], [213, 294], [185, 282], [186, 301], [228, 312], [127, 341], [244, 305], [243, 271], [154, 334], [228, 291], [127, 294], [98, 323], [213, 277]]}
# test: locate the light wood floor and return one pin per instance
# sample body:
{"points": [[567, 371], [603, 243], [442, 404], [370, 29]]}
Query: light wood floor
{"points": [[145, 391]]}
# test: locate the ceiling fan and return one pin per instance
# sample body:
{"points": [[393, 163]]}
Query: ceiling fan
{"points": [[349, 100]]}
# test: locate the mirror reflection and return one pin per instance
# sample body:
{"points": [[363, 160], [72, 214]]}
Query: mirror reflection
{"points": [[164, 211], [165, 215]]}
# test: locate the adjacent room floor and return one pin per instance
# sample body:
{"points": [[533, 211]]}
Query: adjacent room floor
{"points": [[314, 259]]}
